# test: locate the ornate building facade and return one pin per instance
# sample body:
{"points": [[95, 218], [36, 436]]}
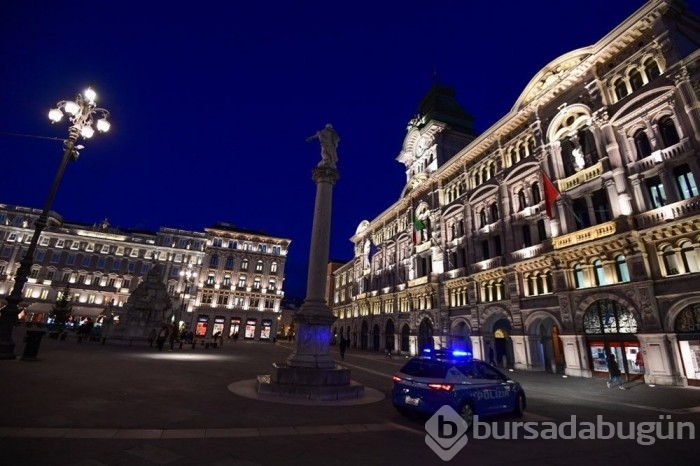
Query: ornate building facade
{"points": [[569, 228], [221, 279]]}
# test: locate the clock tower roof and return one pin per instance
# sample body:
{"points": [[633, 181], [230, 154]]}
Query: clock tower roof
{"points": [[440, 104]]}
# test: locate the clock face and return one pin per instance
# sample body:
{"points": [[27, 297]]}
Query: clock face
{"points": [[421, 145]]}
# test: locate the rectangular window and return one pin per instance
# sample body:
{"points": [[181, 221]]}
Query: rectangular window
{"points": [[55, 257], [657, 195], [90, 247], [116, 264], [86, 261], [60, 243], [40, 255], [50, 274], [101, 263], [75, 245], [105, 249], [485, 250], [44, 241], [44, 295], [70, 260], [686, 182]]}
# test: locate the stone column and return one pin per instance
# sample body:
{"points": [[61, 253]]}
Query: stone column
{"points": [[575, 355], [662, 359], [314, 319]]}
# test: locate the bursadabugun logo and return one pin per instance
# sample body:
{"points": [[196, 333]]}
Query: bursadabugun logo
{"points": [[644, 433], [446, 433]]}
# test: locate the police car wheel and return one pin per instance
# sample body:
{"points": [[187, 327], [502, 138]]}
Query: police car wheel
{"points": [[519, 409], [403, 411], [466, 412]]}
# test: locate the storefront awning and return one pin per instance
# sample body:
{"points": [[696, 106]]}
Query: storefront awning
{"points": [[83, 311], [40, 307]]}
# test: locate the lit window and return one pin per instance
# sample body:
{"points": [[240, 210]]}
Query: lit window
{"points": [[599, 272], [623, 274]]}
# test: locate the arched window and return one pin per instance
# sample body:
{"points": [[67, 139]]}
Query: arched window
{"points": [[513, 157], [670, 263], [599, 272], [636, 80], [623, 274], [482, 218], [530, 284], [620, 89], [523, 151], [214, 261], [485, 292], [590, 151], [531, 146], [494, 212], [229, 262], [549, 282], [608, 316], [578, 276], [522, 203], [536, 198], [641, 143], [273, 267], [668, 132], [651, 69], [539, 281], [688, 320], [689, 257]]}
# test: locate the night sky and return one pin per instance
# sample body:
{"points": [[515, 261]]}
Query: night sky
{"points": [[211, 102]]}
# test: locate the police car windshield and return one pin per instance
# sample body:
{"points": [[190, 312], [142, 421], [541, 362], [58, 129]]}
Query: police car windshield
{"points": [[433, 368]]}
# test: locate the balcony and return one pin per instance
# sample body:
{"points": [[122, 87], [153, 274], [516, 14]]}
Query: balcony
{"points": [[527, 212], [423, 247], [660, 156], [487, 264], [585, 175], [669, 212], [584, 236], [418, 281], [527, 253]]}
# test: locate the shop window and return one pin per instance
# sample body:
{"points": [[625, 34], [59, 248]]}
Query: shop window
{"points": [[668, 131], [651, 69], [642, 144], [608, 316], [599, 272], [623, 275], [687, 187]]}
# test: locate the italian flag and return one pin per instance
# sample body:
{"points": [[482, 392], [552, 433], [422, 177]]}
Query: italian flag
{"points": [[418, 225]]}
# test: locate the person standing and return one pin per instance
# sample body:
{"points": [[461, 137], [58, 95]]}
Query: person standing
{"points": [[151, 337], [615, 373], [492, 355], [343, 345], [162, 336]]}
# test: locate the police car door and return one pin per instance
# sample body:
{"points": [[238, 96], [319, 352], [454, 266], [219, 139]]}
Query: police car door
{"points": [[490, 392]]}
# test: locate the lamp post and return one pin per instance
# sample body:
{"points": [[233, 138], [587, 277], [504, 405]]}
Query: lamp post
{"points": [[81, 113], [188, 277]]}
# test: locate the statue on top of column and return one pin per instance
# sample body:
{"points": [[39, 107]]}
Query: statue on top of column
{"points": [[329, 144]]}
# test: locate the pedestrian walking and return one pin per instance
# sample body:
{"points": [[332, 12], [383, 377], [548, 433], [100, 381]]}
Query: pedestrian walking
{"points": [[615, 373], [492, 355], [388, 348]]}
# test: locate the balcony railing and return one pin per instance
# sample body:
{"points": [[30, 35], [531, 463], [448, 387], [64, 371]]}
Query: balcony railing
{"points": [[668, 212], [487, 264], [661, 156], [527, 253], [581, 177], [583, 236]]}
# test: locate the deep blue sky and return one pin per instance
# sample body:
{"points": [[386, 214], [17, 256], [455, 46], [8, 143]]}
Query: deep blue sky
{"points": [[212, 101]]}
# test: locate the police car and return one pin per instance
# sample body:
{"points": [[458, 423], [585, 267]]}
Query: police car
{"points": [[469, 386]]}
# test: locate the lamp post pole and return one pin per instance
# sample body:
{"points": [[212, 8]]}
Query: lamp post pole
{"points": [[81, 116]]}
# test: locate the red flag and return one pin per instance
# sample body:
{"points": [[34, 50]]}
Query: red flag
{"points": [[551, 193]]}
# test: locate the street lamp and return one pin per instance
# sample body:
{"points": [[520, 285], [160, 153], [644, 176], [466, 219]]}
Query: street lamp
{"points": [[82, 113], [188, 277]]}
